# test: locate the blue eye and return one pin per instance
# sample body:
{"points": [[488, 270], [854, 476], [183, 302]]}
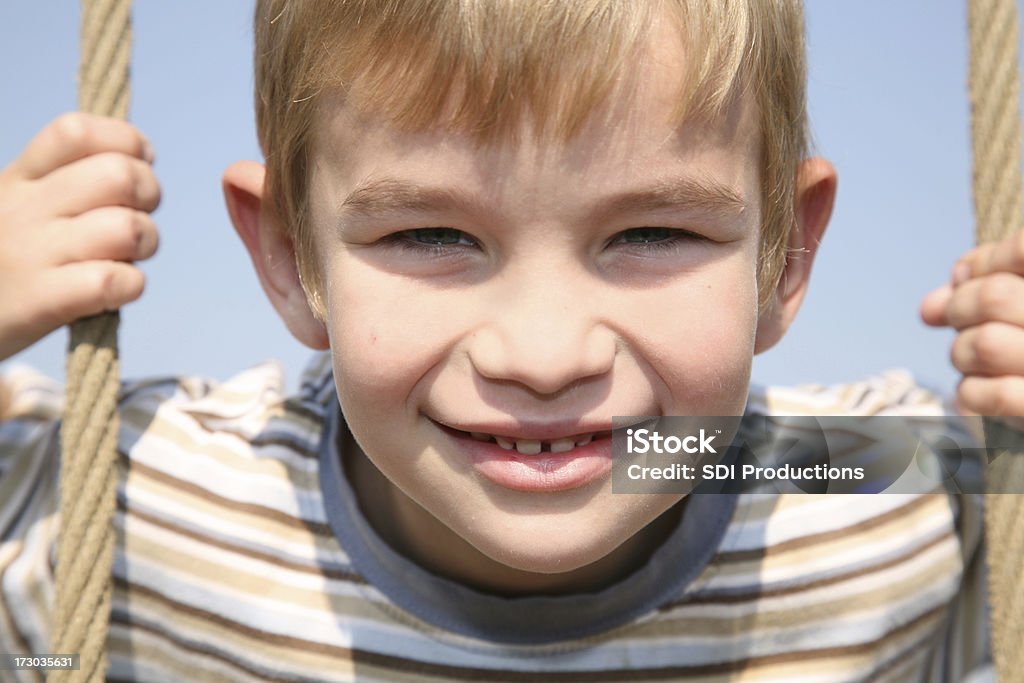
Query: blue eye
{"points": [[437, 237], [654, 239], [432, 241], [647, 235]]}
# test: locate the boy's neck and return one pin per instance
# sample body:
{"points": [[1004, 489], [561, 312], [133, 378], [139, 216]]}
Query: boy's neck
{"points": [[422, 538]]}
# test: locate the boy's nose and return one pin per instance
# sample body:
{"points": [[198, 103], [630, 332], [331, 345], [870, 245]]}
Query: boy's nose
{"points": [[544, 337]]}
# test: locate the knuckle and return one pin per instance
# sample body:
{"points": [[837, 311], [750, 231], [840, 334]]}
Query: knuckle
{"points": [[131, 283], [129, 231], [995, 295], [112, 285], [72, 130], [121, 177], [968, 397], [978, 395], [986, 345], [96, 290], [996, 397], [101, 286], [1004, 398]]}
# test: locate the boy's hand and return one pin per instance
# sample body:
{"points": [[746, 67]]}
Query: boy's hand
{"points": [[74, 216], [985, 303]]}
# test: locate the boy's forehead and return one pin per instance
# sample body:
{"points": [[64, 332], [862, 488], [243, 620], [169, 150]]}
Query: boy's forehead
{"points": [[636, 159], [638, 121]]}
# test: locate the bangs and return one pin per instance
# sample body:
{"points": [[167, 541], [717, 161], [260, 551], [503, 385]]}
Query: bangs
{"points": [[486, 67]]}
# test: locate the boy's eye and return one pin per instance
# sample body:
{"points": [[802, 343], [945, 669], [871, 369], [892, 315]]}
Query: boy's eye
{"points": [[436, 237], [647, 235], [654, 238]]}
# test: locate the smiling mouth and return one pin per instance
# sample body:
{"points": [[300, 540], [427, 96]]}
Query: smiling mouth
{"points": [[535, 446]]}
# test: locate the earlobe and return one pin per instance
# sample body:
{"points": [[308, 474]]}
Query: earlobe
{"points": [[815, 195], [271, 251]]}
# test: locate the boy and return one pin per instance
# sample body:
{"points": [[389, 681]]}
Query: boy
{"points": [[498, 267]]}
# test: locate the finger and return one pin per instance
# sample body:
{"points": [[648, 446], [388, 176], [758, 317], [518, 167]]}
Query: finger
{"points": [[1005, 255], [106, 179], [998, 297], [933, 307], [996, 396], [111, 233], [75, 136], [78, 290], [989, 350], [59, 296]]}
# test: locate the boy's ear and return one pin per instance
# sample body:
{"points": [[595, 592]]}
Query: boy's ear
{"points": [[815, 193], [272, 252]]}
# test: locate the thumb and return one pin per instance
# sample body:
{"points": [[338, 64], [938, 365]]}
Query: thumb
{"points": [[933, 306]]}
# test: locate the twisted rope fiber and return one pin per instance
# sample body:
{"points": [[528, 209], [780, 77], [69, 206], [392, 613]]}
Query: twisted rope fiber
{"points": [[996, 142], [88, 480]]}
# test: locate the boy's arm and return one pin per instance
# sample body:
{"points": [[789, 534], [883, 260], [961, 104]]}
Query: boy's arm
{"points": [[74, 216]]}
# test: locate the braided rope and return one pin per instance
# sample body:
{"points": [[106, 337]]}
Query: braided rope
{"points": [[996, 143], [88, 481]]}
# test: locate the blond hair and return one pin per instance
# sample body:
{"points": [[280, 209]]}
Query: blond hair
{"points": [[481, 66]]}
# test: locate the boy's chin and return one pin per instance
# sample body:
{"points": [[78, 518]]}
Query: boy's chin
{"points": [[551, 553], [562, 555]]}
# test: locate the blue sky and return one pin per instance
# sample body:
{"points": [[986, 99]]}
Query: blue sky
{"points": [[888, 106]]}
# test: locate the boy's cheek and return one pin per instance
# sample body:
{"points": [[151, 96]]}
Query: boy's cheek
{"points": [[388, 353], [703, 347]]}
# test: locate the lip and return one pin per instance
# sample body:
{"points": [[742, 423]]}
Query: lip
{"points": [[546, 431], [545, 472]]}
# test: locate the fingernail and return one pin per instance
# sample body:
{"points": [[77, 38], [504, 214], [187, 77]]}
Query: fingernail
{"points": [[961, 273], [147, 151]]}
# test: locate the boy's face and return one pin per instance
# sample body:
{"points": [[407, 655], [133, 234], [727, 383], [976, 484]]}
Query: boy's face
{"points": [[535, 291], [532, 291]]}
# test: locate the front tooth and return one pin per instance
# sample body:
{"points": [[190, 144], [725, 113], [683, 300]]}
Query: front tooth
{"points": [[562, 445], [528, 446], [585, 440], [504, 443], [480, 436]]}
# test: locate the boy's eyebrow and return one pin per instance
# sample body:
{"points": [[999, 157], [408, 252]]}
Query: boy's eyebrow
{"points": [[390, 195], [703, 195]]}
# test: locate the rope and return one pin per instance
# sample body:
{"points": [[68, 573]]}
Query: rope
{"points": [[88, 479], [996, 143]]}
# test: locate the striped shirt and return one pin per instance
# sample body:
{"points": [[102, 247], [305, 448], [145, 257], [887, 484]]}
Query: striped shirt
{"points": [[242, 556]]}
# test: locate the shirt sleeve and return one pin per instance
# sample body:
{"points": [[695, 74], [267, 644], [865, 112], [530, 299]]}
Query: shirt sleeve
{"points": [[29, 458]]}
